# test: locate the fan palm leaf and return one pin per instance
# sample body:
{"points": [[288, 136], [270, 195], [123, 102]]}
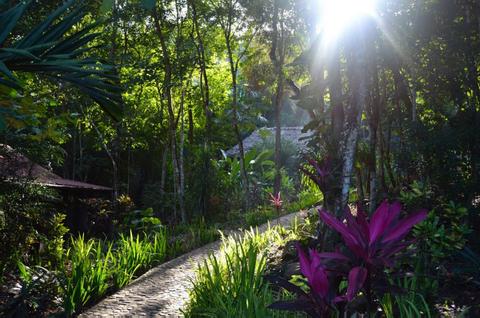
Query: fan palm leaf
{"points": [[49, 51]]}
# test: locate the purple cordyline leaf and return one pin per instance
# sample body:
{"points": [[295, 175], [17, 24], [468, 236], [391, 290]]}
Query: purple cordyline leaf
{"points": [[362, 221], [348, 236], [399, 231], [319, 282], [315, 260], [382, 218], [313, 270], [319, 279], [333, 256], [394, 212], [356, 278], [361, 230], [340, 299], [304, 262], [394, 247]]}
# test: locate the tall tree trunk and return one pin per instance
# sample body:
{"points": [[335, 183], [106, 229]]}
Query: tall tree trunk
{"points": [[167, 92], [358, 85], [181, 189], [163, 177], [235, 115], [115, 152], [277, 56], [335, 86], [205, 89], [190, 124], [374, 118]]}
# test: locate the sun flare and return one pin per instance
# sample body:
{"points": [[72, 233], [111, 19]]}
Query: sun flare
{"points": [[337, 15]]}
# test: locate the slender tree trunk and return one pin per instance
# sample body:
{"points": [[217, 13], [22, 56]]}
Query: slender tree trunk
{"points": [[358, 84], [335, 85], [112, 161], [115, 152], [387, 162], [374, 119], [205, 89], [360, 186], [181, 190], [167, 92], [235, 117], [277, 56], [190, 124], [163, 177]]}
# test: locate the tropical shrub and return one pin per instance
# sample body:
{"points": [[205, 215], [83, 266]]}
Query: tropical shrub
{"points": [[93, 267], [259, 216], [38, 291], [444, 232], [231, 283], [370, 246], [405, 304], [134, 254], [186, 237], [30, 230], [86, 272], [141, 221]]}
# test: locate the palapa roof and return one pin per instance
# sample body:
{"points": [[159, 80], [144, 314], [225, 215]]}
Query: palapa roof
{"points": [[14, 166], [290, 134]]}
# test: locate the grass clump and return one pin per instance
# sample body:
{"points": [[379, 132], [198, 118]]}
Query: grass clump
{"points": [[95, 267], [231, 284]]}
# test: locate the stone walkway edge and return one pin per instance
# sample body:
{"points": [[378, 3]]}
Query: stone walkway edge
{"points": [[163, 290]]}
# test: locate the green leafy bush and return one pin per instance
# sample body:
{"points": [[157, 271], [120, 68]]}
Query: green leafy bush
{"points": [[444, 232], [92, 267], [259, 216], [231, 284], [30, 230], [38, 290], [141, 221], [409, 303], [134, 254], [87, 271], [190, 236]]}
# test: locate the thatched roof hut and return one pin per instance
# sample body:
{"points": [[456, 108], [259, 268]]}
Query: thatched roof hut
{"points": [[261, 135], [15, 167]]}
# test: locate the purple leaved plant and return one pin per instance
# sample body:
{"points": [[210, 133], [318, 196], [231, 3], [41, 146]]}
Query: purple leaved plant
{"points": [[374, 242], [372, 245]]}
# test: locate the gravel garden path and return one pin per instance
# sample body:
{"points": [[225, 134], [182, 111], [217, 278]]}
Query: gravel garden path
{"points": [[163, 290]]}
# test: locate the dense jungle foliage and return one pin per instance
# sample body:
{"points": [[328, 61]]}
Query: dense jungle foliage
{"points": [[147, 110]]}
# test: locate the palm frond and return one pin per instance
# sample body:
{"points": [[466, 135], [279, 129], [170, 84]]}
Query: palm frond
{"points": [[48, 50]]}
